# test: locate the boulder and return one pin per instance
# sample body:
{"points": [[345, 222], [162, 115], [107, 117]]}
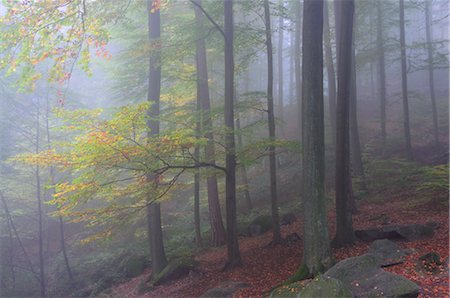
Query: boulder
{"points": [[388, 252], [406, 232], [174, 270], [288, 291], [260, 225], [288, 218], [325, 286], [363, 276], [225, 289]]}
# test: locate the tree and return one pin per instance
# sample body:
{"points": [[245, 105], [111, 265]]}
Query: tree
{"points": [[280, 65], [298, 66], [382, 77], [271, 118], [344, 25], [330, 72], [408, 147], [316, 247], [218, 234], [428, 23], [158, 254], [234, 257]]}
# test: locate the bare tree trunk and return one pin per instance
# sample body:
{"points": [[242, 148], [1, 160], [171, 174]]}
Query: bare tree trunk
{"points": [[42, 279], [330, 72], [234, 256], [298, 67], [382, 77], [428, 20], [242, 169], [280, 70], [198, 234], [158, 255], [344, 26], [292, 58], [218, 234], [271, 118], [316, 247]]}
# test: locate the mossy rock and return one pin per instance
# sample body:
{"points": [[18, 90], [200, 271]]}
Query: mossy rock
{"points": [[288, 291], [175, 269], [133, 265], [324, 286], [224, 290]]}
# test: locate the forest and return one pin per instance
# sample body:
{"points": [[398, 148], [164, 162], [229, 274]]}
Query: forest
{"points": [[224, 148]]}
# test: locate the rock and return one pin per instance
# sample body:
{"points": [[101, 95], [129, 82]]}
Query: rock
{"points": [[225, 289], [133, 265], [408, 232], [260, 225], [388, 252], [363, 276], [431, 262], [174, 270], [288, 291], [325, 286], [288, 218]]}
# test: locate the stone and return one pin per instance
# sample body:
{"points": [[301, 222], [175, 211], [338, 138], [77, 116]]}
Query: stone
{"points": [[325, 286], [388, 252], [174, 270], [288, 291], [224, 290], [288, 218], [260, 225], [364, 278]]}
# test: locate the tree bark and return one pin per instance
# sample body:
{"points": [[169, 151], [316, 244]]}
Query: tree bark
{"points": [[331, 73], [218, 234], [292, 53], [280, 68], [198, 234], [234, 256], [42, 279], [382, 78], [344, 26], [316, 247], [298, 67], [428, 20], [158, 255], [408, 147], [271, 119]]}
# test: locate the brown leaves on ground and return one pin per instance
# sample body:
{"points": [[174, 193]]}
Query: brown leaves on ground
{"points": [[266, 266]]}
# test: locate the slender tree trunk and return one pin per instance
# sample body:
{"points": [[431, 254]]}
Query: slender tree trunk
{"points": [[291, 70], [344, 25], [428, 21], [10, 253], [382, 78], [234, 256], [298, 67], [42, 279], [52, 182], [158, 255], [198, 234], [271, 118], [408, 147], [316, 247], [242, 169], [218, 234], [280, 68], [355, 144], [330, 72]]}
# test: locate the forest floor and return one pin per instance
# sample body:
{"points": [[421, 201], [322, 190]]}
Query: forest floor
{"points": [[265, 266]]}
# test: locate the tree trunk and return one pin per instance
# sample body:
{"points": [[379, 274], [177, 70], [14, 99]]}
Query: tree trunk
{"points": [[158, 255], [292, 59], [218, 234], [344, 26], [316, 247], [428, 20], [52, 182], [280, 69], [198, 234], [330, 72], [355, 145], [243, 170], [408, 147], [298, 67], [42, 279], [382, 78], [271, 118], [234, 257]]}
